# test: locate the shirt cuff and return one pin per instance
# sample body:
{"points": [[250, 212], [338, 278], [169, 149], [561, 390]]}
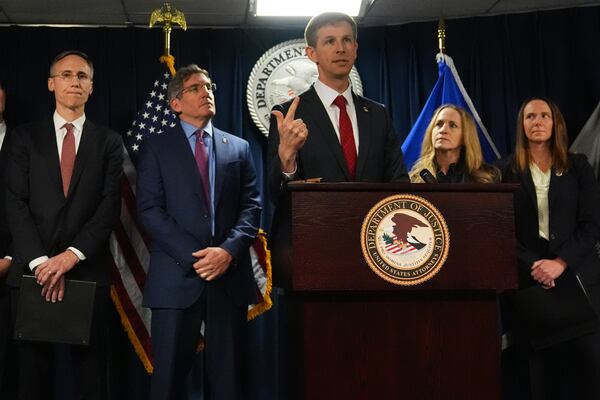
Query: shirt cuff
{"points": [[289, 175], [79, 254], [8, 258], [37, 261]]}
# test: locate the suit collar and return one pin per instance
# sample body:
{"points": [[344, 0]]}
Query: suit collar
{"points": [[190, 129], [48, 148], [223, 154], [59, 122], [327, 95], [87, 144], [314, 108], [363, 118], [529, 187], [556, 181], [180, 146]]}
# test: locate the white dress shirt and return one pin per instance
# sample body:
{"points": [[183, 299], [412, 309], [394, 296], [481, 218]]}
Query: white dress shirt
{"points": [[541, 181], [2, 132], [2, 136], [327, 96], [62, 132]]}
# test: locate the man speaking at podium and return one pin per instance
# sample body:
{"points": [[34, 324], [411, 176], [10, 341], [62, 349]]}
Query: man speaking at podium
{"points": [[330, 132]]}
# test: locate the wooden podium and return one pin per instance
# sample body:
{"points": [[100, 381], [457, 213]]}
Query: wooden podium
{"points": [[353, 335]]}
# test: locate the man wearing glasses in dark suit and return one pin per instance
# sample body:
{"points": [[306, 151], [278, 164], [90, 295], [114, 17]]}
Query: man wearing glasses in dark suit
{"points": [[198, 199], [62, 203]]}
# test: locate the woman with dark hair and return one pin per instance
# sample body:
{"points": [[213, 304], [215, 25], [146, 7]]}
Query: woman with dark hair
{"points": [[451, 150], [557, 223]]}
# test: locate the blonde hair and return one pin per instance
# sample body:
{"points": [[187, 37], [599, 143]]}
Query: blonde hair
{"points": [[559, 142], [476, 168]]}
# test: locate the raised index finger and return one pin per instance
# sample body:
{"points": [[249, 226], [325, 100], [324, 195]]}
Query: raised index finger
{"points": [[292, 111]]}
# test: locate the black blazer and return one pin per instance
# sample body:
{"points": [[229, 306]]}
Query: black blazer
{"points": [[379, 152], [4, 231], [574, 220], [41, 220]]}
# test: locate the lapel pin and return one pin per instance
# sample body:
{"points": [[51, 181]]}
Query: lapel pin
{"points": [[224, 140], [365, 109]]}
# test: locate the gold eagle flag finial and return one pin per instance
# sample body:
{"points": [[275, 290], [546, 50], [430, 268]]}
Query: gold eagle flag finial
{"points": [[168, 16]]}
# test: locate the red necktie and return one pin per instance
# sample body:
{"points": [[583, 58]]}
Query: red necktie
{"points": [[67, 157], [346, 136], [201, 156]]}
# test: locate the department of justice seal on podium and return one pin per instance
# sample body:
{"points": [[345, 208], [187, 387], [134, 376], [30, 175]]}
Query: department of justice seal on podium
{"points": [[405, 239], [283, 72]]}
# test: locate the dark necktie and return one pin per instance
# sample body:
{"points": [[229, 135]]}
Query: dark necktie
{"points": [[201, 156], [67, 157], [346, 136]]}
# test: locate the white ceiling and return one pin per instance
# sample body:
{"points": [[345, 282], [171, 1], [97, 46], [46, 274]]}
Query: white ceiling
{"points": [[238, 13]]}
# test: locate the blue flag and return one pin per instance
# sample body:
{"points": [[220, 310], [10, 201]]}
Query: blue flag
{"points": [[447, 90]]}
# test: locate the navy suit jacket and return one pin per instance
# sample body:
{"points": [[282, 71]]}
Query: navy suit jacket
{"points": [[174, 213], [42, 221], [379, 152], [574, 208]]}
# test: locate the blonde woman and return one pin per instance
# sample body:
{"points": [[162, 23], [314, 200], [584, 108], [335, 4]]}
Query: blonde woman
{"points": [[451, 150]]}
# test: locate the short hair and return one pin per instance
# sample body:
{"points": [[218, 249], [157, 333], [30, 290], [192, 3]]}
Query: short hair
{"points": [[559, 139], [66, 53], [176, 85], [477, 170], [328, 18]]}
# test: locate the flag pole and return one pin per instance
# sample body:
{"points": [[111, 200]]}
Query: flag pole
{"points": [[441, 35], [168, 16]]}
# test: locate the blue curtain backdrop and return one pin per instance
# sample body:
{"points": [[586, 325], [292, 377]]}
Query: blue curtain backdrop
{"points": [[501, 60]]}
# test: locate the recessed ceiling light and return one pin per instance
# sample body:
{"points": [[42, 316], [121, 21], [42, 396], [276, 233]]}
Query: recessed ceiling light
{"points": [[305, 8]]}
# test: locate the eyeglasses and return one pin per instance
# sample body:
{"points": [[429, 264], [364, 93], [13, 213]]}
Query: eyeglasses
{"points": [[69, 76], [195, 89]]}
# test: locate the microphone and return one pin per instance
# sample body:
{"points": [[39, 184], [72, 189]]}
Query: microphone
{"points": [[427, 176]]}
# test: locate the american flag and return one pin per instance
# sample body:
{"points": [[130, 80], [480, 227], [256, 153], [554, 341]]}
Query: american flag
{"points": [[152, 119], [396, 249], [129, 244]]}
